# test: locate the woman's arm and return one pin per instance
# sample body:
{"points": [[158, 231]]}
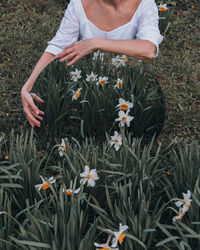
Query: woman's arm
{"points": [[31, 110], [138, 48], [141, 49]]}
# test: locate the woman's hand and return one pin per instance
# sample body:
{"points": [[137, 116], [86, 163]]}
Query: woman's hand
{"points": [[77, 50], [31, 110]]}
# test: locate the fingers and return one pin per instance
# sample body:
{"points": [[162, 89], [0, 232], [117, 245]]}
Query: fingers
{"points": [[37, 116], [68, 50], [36, 98], [70, 56], [32, 120], [76, 58], [31, 123], [29, 100]]}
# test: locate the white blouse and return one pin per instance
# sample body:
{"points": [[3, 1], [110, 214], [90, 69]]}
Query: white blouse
{"points": [[75, 24]]}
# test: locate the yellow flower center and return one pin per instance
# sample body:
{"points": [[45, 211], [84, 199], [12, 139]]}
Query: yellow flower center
{"points": [[124, 118], [64, 149], [125, 59], [90, 177], [121, 238], [69, 192], [45, 185], [124, 107], [6, 157], [76, 75], [102, 82], [121, 84], [78, 94], [116, 140], [162, 8], [193, 6]]}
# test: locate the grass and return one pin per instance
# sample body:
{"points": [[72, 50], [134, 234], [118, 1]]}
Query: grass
{"points": [[28, 25]]}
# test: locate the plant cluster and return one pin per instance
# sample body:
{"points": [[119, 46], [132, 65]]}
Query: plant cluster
{"points": [[96, 96], [97, 197]]}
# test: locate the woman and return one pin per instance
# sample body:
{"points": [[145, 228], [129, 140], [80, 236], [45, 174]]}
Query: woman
{"points": [[122, 26]]}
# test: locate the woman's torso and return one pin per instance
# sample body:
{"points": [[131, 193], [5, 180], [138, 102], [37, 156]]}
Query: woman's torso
{"points": [[125, 28]]}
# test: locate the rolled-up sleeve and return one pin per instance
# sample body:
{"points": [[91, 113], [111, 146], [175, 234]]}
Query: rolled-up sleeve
{"points": [[148, 24], [67, 33]]}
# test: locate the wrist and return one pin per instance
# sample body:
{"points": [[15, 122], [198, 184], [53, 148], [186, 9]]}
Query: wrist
{"points": [[96, 45], [27, 86]]}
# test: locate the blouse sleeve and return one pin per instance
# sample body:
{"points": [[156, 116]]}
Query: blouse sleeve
{"points": [[148, 24], [67, 33]]}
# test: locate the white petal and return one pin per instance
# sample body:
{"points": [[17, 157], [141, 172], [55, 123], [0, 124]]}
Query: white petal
{"points": [[122, 228], [115, 241], [61, 153], [91, 183], [178, 203], [38, 186]]}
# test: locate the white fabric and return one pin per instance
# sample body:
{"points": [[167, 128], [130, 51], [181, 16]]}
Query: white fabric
{"points": [[75, 24]]}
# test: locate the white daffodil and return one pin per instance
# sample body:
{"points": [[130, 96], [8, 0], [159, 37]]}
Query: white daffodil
{"points": [[91, 78], [119, 84], [45, 183], [76, 94], [75, 75], [62, 148], [183, 205], [116, 140], [124, 59], [185, 202], [118, 236], [124, 118], [69, 191], [162, 7], [98, 55], [104, 246], [102, 80], [124, 105], [117, 61], [180, 215], [89, 176]]}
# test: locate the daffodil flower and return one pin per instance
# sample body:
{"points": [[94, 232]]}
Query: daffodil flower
{"points": [[183, 205], [76, 94], [45, 183], [180, 215], [102, 80], [119, 84], [118, 236], [62, 148], [124, 105], [91, 78], [69, 191], [104, 246], [185, 202], [116, 140], [97, 55], [117, 61], [89, 176], [162, 7], [124, 59], [124, 118], [75, 75]]}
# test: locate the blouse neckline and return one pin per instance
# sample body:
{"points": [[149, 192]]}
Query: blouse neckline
{"points": [[115, 29]]}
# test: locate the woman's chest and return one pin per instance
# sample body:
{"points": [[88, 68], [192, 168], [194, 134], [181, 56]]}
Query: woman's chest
{"points": [[109, 17]]}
